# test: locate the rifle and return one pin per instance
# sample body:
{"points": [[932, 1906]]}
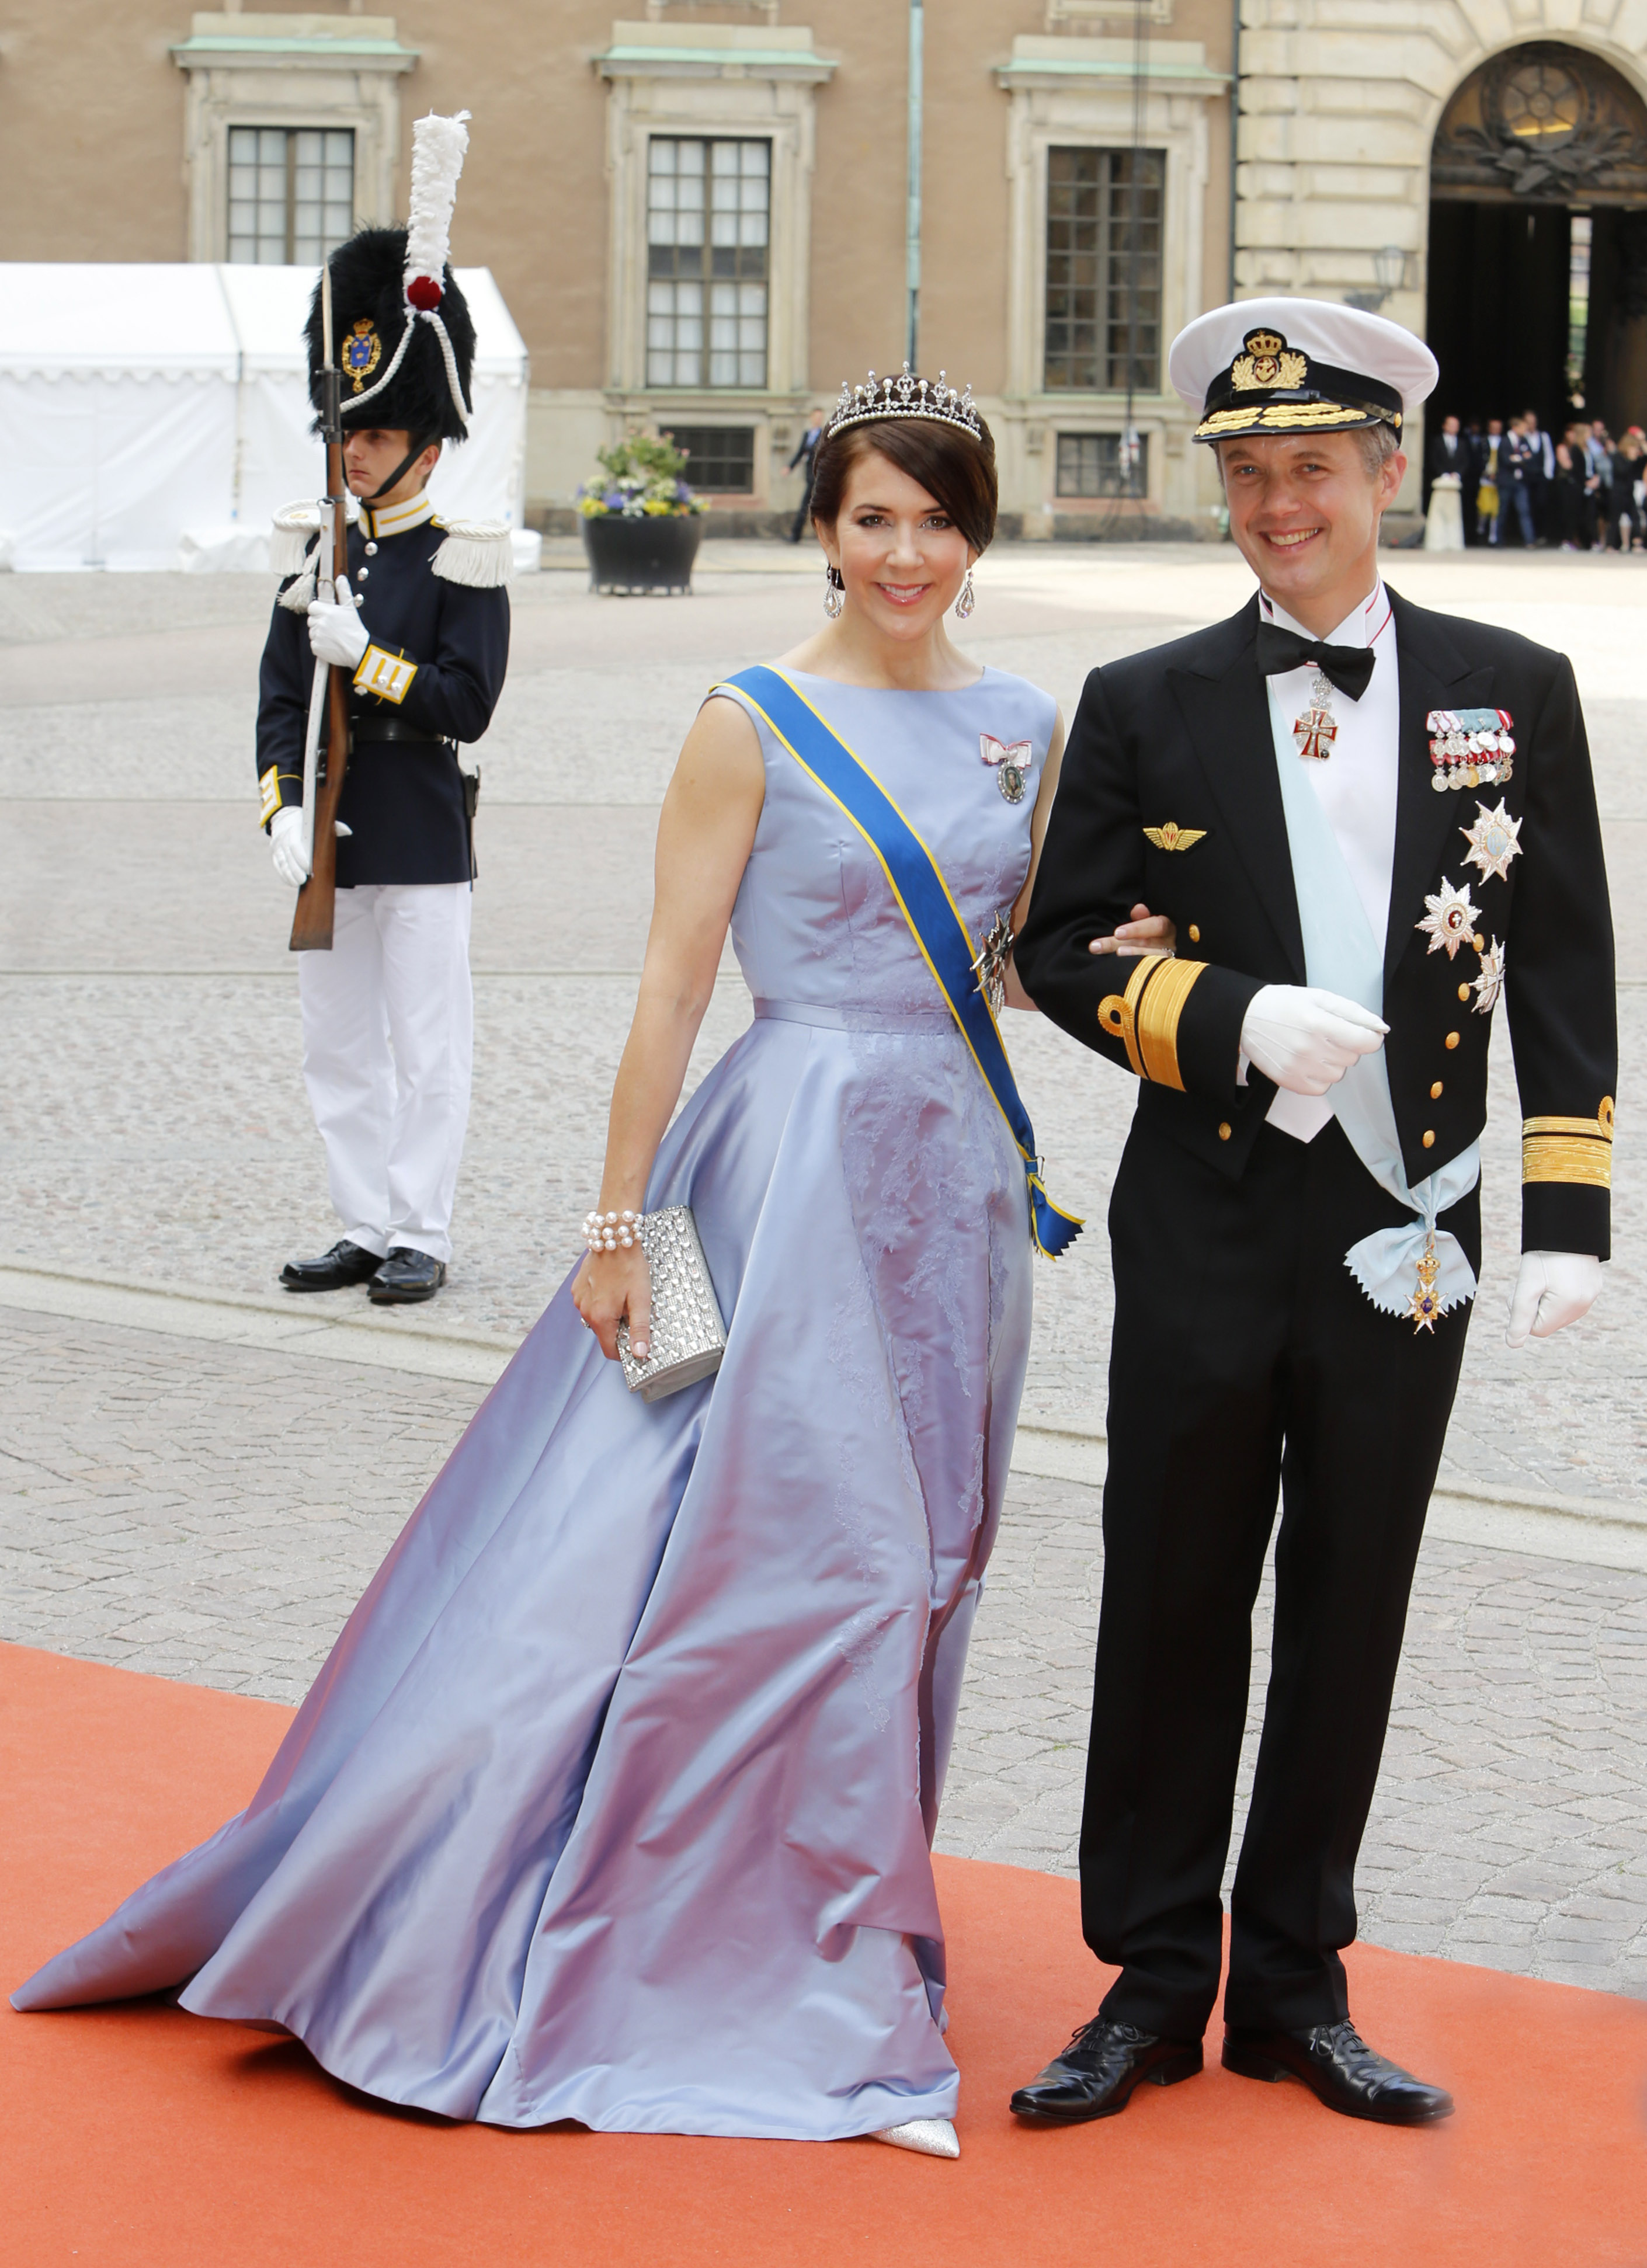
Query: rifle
{"points": [[317, 900]]}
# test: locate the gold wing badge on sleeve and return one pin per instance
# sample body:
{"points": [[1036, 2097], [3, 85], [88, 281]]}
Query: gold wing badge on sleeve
{"points": [[1171, 837]]}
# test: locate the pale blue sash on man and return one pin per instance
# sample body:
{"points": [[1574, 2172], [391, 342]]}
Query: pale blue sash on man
{"points": [[1341, 956]]}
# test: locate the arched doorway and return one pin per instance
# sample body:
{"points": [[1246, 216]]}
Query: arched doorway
{"points": [[1538, 241]]}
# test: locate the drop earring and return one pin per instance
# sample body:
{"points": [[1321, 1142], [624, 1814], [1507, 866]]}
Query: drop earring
{"points": [[834, 593], [968, 598]]}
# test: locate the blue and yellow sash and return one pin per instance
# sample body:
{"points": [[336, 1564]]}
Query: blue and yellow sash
{"points": [[923, 897]]}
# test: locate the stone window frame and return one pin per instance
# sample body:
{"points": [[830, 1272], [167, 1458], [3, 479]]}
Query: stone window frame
{"points": [[1068, 92], [289, 72], [713, 82]]}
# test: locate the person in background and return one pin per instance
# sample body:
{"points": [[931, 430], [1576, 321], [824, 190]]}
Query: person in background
{"points": [[1521, 453], [1575, 487], [806, 456], [1448, 451], [1626, 489], [1489, 454], [1540, 476], [1449, 462], [1603, 451]]}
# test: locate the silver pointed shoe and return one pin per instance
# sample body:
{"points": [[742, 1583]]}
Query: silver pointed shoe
{"points": [[931, 2138]]}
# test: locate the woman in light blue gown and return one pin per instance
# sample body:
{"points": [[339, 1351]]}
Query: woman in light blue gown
{"points": [[614, 1801]]}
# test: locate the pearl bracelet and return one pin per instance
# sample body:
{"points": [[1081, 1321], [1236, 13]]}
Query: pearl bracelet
{"points": [[605, 1232]]}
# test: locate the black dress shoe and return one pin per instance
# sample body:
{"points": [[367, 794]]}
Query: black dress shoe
{"points": [[405, 1276], [344, 1263], [1095, 2076], [1336, 2064]]}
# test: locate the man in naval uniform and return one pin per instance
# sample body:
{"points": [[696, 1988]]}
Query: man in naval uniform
{"points": [[1366, 821], [422, 625]]}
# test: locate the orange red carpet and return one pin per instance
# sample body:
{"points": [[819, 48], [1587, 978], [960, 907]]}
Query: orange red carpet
{"points": [[137, 2136]]}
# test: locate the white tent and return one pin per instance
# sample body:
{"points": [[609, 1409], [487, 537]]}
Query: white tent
{"points": [[157, 415]]}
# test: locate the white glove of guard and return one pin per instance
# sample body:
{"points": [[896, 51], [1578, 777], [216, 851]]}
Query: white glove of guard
{"points": [[1553, 1289], [337, 637], [286, 834], [1306, 1039]]}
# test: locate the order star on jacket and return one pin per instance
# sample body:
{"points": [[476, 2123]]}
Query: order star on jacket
{"points": [[1450, 919], [1490, 981], [1493, 840]]}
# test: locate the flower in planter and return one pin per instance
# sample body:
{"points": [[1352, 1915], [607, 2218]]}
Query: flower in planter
{"points": [[642, 477]]}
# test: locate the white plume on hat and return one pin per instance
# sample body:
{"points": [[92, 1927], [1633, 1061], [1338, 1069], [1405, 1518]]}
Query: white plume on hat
{"points": [[439, 148], [1323, 328]]}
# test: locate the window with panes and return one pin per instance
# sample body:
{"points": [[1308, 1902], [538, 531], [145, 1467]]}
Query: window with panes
{"points": [[1104, 214], [291, 193], [708, 227]]}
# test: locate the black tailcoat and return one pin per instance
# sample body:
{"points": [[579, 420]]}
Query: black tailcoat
{"points": [[403, 800], [1182, 734], [1244, 1357]]}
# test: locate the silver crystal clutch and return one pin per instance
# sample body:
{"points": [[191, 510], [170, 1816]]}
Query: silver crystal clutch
{"points": [[688, 1336]]}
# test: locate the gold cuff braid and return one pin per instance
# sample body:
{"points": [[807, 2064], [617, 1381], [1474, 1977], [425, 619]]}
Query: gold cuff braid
{"points": [[1146, 1018], [1555, 1149]]}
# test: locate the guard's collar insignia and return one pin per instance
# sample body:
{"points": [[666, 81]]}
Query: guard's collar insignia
{"points": [[1272, 387], [363, 350]]}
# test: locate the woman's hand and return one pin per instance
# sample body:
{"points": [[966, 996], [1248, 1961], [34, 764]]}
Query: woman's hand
{"points": [[1146, 933], [610, 1285]]}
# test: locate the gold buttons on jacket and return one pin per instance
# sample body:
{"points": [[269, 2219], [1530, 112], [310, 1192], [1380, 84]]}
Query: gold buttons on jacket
{"points": [[1464, 994], [1429, 1137], [1453, 1039], [1223, 1130], [1435, 1092], [1195, 935], [1479, 942]]}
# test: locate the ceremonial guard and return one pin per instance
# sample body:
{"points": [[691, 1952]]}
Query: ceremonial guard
{"points": [[1369, 822], [420, 625]]}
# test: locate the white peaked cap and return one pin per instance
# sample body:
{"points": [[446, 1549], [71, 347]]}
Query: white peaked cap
{"points": [[1321, 367]]}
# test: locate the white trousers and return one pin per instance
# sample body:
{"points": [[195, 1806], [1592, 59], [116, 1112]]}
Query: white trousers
{"points": [[388, 1050]]}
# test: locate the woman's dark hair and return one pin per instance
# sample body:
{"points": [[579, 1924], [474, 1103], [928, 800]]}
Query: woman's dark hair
{"points": [[950, 463]]}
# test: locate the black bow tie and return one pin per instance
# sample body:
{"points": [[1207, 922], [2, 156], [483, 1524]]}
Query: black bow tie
{"points": [[1349, 668]]}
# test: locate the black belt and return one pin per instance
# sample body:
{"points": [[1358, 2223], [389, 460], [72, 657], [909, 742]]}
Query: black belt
{"points": [[391, 728]]}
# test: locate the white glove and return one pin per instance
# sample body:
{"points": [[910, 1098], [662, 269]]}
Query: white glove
{"points": [[285, 834], [1552, 1290], [337, 637], [1305, 1039]]}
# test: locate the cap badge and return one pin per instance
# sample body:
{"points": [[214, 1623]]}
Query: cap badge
{"points": [[1269, 361], [363, 350]]}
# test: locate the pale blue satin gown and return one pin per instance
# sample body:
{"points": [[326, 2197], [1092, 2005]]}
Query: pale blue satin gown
{"points": [[614, 1801]]}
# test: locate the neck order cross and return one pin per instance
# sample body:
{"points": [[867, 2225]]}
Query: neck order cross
{"points": [[1317, 729]]}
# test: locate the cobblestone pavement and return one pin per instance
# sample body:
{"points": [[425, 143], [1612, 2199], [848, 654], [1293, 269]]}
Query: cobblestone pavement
{"points": [[213, 1514], [152, 1125]]}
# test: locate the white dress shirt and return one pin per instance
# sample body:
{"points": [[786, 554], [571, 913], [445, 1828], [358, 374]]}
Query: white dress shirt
{"points": [[1357, 785]]}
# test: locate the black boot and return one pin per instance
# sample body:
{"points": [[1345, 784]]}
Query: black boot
{"points": [[405, 1276], [344, 1263]]}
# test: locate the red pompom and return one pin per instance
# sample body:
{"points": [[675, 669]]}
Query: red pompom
{"points": [[424, 293]]}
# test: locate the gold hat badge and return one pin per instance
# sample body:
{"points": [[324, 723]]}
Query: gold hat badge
{"points": [[1269, 361]]}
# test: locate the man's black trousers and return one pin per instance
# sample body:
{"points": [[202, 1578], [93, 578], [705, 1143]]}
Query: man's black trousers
{"points": [[1245, 1352]]}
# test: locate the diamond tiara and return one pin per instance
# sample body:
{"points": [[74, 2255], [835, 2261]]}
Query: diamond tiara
{"points": [[905, 397]]}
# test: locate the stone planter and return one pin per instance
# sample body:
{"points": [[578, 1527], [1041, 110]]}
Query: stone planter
{"points": [[651, 553]]}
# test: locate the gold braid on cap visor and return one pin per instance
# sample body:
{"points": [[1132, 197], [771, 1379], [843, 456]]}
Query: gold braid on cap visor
{"points": [[1290, 417]]}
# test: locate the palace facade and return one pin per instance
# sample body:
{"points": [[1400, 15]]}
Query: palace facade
{"points": [[701, 213]]}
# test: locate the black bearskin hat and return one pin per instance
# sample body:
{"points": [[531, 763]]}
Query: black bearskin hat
{"points": [[370, 313]]}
